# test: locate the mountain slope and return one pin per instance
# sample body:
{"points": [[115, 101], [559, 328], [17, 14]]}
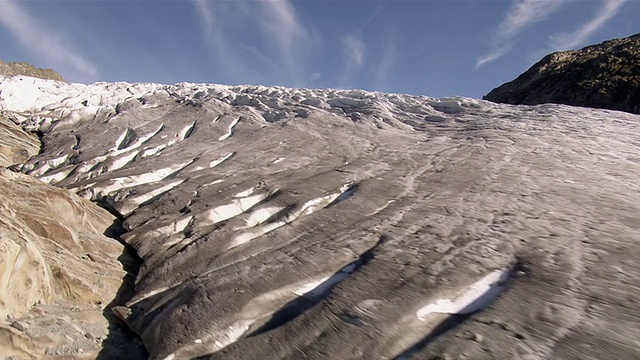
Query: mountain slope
{"points": [[606, 76], [280, 223]]}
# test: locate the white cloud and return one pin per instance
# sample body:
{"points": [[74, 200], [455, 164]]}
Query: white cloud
{"points": [[565, 41], [280, 20], [205, 13], [389, 56], [495, 54], [283, 24], [41, 40], [353, 48], [275, 21], [213, 34], [521, 14]]}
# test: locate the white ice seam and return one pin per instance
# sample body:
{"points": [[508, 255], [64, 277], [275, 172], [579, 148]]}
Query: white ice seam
{"points": [[186, 132], [235, 208], [134, 180], [473, 299], [133, 203], [217, 162], [308, 208], [230, 132]]}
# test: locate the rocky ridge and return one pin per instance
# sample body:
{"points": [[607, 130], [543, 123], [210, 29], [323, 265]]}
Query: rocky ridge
{"points": [[296, 223], [605, 76], [26, 69]]}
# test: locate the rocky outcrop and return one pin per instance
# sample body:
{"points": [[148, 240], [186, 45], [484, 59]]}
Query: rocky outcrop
{"points": [[605, 76], [16, 145], [58, 270], [282, 223], [26, 69]]}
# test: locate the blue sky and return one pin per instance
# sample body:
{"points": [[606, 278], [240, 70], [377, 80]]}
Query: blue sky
{"points": [[434, 48]]}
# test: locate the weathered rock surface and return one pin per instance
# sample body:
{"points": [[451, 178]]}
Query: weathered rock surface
{"points": [[16, 145], [605, 76], [26, 69], [291, 223], [58, 270]]}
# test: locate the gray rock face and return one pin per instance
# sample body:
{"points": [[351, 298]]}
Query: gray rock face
{"points": [[604, 76], [287, 224]]}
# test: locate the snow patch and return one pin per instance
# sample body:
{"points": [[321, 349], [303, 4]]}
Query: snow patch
{"points": [[187, 131], [49, 165], [316, 204], [98, 191], [235, 208], [244, 193], [230, 132], [474, 298], [217, 162], [120, 162], [130, 204], [308, 208], [122, 141], [152, 151], [320, 286], [173, 228], [214, 182], [259, 216], [55, 178]]}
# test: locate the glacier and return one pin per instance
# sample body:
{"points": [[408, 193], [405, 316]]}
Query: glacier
{"points": [[278, 223]]}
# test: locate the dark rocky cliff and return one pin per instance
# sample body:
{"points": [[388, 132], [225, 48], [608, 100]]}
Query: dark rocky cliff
{"points": [[605, 76]]}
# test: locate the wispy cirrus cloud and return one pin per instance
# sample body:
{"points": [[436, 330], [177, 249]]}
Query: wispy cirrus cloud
{"points": [[353, 51], [42, 40], [281, 21], [283, 24], [389, 56], [205, 14], [213, 33], [353, 48], [565, 41], [276, 21], [521, 15]]}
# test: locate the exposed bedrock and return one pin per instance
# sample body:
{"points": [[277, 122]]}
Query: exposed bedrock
{"points": [[286, 224], [16, 145], [60, 272], [605, 76], [22, 68]]}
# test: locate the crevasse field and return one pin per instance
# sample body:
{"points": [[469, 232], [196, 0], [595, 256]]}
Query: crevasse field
{"points": [[279, 223]]}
